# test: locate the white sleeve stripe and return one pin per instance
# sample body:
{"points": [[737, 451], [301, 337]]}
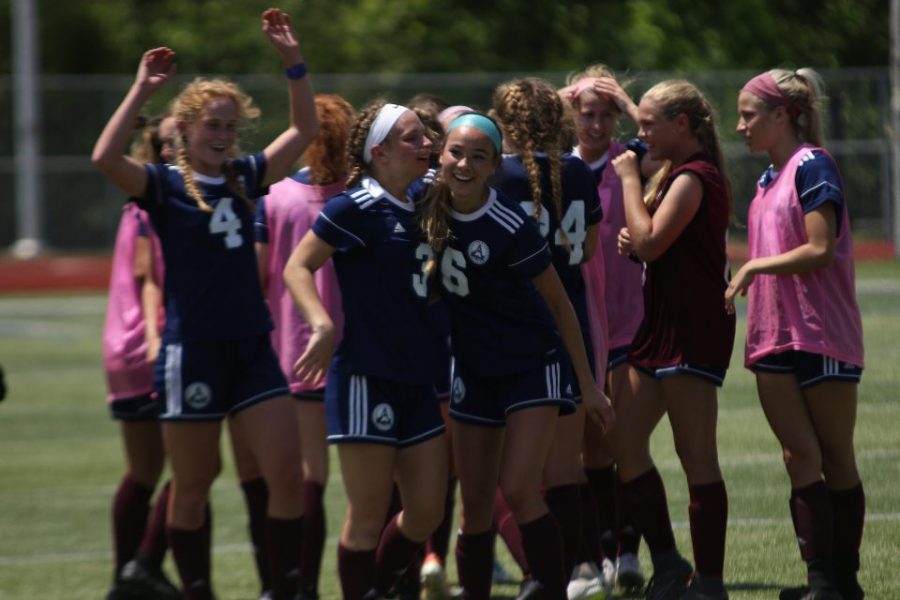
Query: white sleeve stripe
{"points": [[336, 226], [817, 186], [499, 220], [530, 256], [511, 215]]}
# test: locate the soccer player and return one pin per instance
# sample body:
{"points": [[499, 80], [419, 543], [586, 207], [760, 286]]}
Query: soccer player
{"points": [[510, 318], [559, 192], [682, 348], [804, 331], [379, 397], [613, 285], [216, 358]]}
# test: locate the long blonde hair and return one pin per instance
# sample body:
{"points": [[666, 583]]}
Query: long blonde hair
{"points": [[187, 108], [532, 116], [803, 88], [675, 97]]}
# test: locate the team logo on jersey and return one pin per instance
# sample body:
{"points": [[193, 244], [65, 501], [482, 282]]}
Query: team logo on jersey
{"points": [[458, 390], [398, 228], [479, 253], [383, 416], [198, 395]]}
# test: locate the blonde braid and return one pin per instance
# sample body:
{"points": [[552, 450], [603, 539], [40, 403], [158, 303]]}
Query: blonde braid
{"points": [[356, 165], [435, 221], [187, 174]]}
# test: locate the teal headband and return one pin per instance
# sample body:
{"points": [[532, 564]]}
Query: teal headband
{"points": [[482, 123]]}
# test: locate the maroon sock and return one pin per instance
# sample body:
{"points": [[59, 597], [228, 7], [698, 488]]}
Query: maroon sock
{"points": [[544, 548], [154, 545], [590, 534], [439, 542], [395, 553], [564, 501], [508, 530], [644, 498], [131, 505], [313, 537], [191, 551], [708, 510], [849, 507], [356, 568], [256, 497], [603, 484], [284, 540], [814, 521], [475, 563]]}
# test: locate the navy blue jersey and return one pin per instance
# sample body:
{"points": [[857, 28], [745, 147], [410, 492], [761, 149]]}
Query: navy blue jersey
{"points": [[818, 181], [212, 289], [380, 256], [499, 324], [580, 209]]}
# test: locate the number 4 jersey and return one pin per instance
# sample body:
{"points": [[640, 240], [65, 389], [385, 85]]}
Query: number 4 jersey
{"points": [[212, 289], [380, 257]]}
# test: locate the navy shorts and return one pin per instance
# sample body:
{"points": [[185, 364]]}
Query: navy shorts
{"points": [[488, 401], [139, 408], [362, 408], [617, 356], [708, 372], [809, 368], [207, 381]]}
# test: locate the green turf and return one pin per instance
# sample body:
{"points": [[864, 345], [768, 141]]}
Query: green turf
{"points": [[60, 460]]}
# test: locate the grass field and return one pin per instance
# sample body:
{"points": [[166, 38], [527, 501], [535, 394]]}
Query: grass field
{"points": [[60, 460]]}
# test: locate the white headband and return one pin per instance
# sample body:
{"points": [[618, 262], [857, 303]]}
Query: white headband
{"points": [[381, 127]]}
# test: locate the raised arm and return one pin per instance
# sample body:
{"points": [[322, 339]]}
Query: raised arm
{"points": [[156, 67], [651, 236], [299, 276], [596, 403], [283, 151]]}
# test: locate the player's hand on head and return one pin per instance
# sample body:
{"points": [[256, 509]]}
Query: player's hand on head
{"points": [[312, 365], [157, 66], [276, 24]]}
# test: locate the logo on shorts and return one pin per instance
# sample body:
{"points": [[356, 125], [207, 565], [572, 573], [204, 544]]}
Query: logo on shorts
{"points": [[458, 390], [479, 253], [383, 416], [198, 395]]}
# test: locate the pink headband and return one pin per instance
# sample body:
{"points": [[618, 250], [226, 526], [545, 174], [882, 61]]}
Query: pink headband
{"points": [[763, 86]]}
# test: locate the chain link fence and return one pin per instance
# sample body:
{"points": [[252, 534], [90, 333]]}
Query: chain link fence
{"points": [[80, 208]]}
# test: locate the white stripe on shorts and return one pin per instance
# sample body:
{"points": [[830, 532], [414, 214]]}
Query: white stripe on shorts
{"points": [[551, 374], [359, 405], [173, 379]]}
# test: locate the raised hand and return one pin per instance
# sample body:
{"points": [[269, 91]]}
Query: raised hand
{"points": [[276, 24], [157, 66]]}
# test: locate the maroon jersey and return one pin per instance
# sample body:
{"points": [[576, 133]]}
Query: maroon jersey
{"points": [[684, 289]]}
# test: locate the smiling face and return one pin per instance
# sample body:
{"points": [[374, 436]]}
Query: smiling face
{"points": [[212, 136], [595, 122], [469, 157], [659, 133], [757, 123], [407, 149]]}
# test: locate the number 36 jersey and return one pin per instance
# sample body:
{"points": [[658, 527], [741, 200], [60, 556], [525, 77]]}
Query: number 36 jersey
{"points": [[379, 260], [499, 324], [212, 289]]}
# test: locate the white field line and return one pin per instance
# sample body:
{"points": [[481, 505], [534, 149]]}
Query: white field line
{"points": [[94, 555]]}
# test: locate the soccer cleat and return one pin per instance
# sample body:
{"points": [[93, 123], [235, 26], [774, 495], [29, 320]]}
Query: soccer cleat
{"points": [[142, 582], [695, 593], [586, 583], [530, 590], [670, 584], [628, 575], [608, 573], [501, 576], [434, 580]]}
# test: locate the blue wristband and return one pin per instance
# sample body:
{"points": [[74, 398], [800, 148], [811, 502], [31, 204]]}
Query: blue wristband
{"points": [[297, 71]]}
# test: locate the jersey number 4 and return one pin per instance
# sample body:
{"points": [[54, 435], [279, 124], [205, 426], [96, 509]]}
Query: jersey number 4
{"points": [[572, 231], [224, 220]]}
